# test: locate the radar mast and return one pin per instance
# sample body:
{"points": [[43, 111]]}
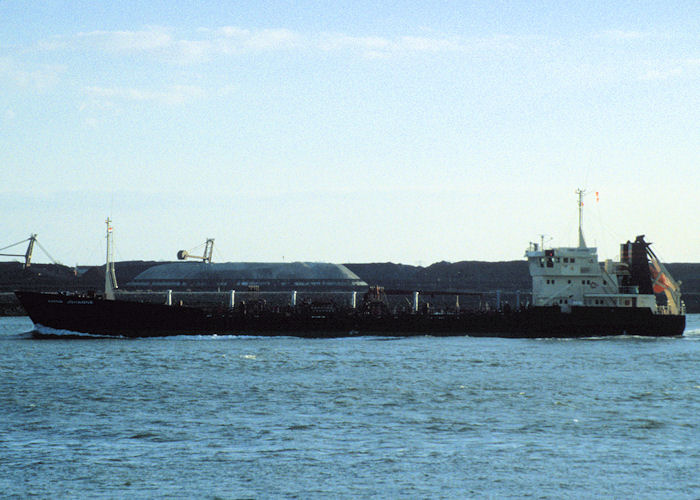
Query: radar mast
{"points": [[581, 241], [110, 275]]}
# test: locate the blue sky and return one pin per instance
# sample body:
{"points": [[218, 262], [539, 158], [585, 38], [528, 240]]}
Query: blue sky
{"points": [[410, 132]]}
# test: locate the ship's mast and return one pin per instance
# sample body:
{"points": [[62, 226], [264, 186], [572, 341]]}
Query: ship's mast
{"points": [[110, 276], [581, 241]]}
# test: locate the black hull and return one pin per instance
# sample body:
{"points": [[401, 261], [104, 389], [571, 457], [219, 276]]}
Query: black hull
{"points": [[89, 315]]}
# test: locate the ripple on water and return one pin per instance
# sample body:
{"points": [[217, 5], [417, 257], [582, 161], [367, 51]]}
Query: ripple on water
{"points": [[284, 417]]}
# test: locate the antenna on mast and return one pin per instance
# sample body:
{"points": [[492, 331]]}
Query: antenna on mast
{"points": [[581, 241], [543, 241]]}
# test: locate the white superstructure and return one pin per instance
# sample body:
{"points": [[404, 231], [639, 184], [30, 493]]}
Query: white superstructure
{"points": [[572, 276]]}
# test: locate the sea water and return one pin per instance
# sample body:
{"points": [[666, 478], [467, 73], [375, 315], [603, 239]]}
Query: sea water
{"points": [[232, 417]]}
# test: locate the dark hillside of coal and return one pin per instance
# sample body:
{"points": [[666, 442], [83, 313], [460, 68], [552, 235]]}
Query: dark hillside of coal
{"points": [[14, 276], [125, 271], [689, 277], [466, 275]]}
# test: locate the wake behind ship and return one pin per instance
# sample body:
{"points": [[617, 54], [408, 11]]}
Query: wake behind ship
{"points": [[573, 295]]}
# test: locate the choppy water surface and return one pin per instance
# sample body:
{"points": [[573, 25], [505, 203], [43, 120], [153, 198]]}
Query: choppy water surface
{"points": [[421, 417]]}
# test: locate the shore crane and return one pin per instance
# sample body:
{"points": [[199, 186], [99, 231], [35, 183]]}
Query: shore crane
{"points": [[28, 254], [206, 258]]}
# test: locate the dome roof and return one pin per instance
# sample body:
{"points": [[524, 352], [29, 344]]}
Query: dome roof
{"points": [[232, 275]]}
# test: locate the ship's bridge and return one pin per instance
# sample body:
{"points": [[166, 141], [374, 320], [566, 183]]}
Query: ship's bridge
{"points": [[570, 276]]}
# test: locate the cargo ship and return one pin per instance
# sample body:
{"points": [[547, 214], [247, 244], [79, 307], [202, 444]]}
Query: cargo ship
{"points": [[573, 295]]}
